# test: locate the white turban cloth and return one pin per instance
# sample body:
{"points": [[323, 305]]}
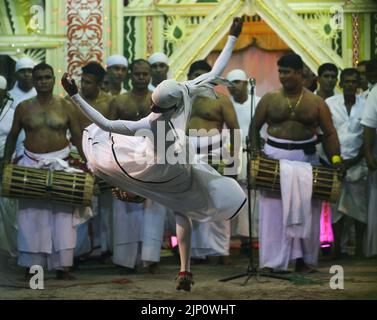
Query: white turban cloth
{"points": [[236, 74], [25, 63], [3, 83], [158, 57], [117, 59]]}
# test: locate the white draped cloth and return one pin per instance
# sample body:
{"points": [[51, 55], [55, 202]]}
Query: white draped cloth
{"points": [[211, 238], [138, 232], [370, 119], [277, 246], [47, 231], [353, 196], [120, 157]]}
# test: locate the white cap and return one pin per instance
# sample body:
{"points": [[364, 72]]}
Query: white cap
{"points": [[167, 94], [25, 63], [3, 83], [236, 74], [117, 59], [158, 57]]}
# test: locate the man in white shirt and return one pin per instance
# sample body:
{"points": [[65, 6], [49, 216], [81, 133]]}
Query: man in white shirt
{"points": [[22, 90], [369, 120], [327, 79], [346, 110]]}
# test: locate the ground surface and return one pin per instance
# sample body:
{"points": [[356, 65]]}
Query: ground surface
{"points": [[103, 281]]}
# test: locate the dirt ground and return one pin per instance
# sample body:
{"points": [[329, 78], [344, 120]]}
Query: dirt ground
{"points": [[103, 281]]}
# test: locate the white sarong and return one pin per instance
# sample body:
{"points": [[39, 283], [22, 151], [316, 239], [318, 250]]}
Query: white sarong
{"points": [[276, 247], [47, 232], [211, 238]]}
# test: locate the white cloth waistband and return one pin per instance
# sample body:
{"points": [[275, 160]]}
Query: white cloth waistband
{"points": [[314, 138], [61, 154]]}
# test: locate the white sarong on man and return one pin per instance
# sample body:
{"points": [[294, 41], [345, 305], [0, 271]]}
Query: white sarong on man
{"points": [[47, 231], [276, 247], [211, 238]]}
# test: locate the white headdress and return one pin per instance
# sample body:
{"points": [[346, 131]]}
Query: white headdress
{"points": [[117, 59], [158, 57], [25, 63], [236, 74]]}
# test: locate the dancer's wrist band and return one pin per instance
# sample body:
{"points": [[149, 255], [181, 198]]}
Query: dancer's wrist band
{"points": [[336, 159]]}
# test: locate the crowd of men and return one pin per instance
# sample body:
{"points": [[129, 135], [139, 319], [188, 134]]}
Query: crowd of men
{"points": [[35, 125]]}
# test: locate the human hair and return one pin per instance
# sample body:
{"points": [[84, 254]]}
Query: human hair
{"points": [[138, 62], [199, 65], [327, 67], [349, 72], [95, 69], [291, 60], [42, 66]]}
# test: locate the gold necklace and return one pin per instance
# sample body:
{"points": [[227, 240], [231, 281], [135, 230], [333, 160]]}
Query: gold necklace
{"points": [[292, 109]]}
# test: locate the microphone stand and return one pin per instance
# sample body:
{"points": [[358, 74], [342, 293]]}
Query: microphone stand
{"points": [[251, 269]]}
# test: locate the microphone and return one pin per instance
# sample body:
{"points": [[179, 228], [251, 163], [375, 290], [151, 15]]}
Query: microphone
{"points": [[252, 82]]}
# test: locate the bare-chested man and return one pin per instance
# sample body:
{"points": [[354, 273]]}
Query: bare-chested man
{"points": [[101, 224], [293, 114], [116, 72], [159, 69], [92, 76], [211, 114], [46, 235], [137, 227]]}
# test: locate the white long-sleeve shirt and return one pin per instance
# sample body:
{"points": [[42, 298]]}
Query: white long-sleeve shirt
{"points": [[348, 126]]}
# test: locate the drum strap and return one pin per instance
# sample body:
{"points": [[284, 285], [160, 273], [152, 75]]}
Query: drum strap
{"points": [[308, 146]]}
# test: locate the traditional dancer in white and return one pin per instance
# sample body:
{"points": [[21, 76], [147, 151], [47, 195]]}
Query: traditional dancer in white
{"points": [[197, 191]]}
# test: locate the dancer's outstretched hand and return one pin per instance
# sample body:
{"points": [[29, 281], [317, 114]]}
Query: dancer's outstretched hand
{"points": [[236, 27], [69, 85]]}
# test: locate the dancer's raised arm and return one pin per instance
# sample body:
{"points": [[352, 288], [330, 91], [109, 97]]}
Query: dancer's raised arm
{"points": [[124, 127], [225, 54]]}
